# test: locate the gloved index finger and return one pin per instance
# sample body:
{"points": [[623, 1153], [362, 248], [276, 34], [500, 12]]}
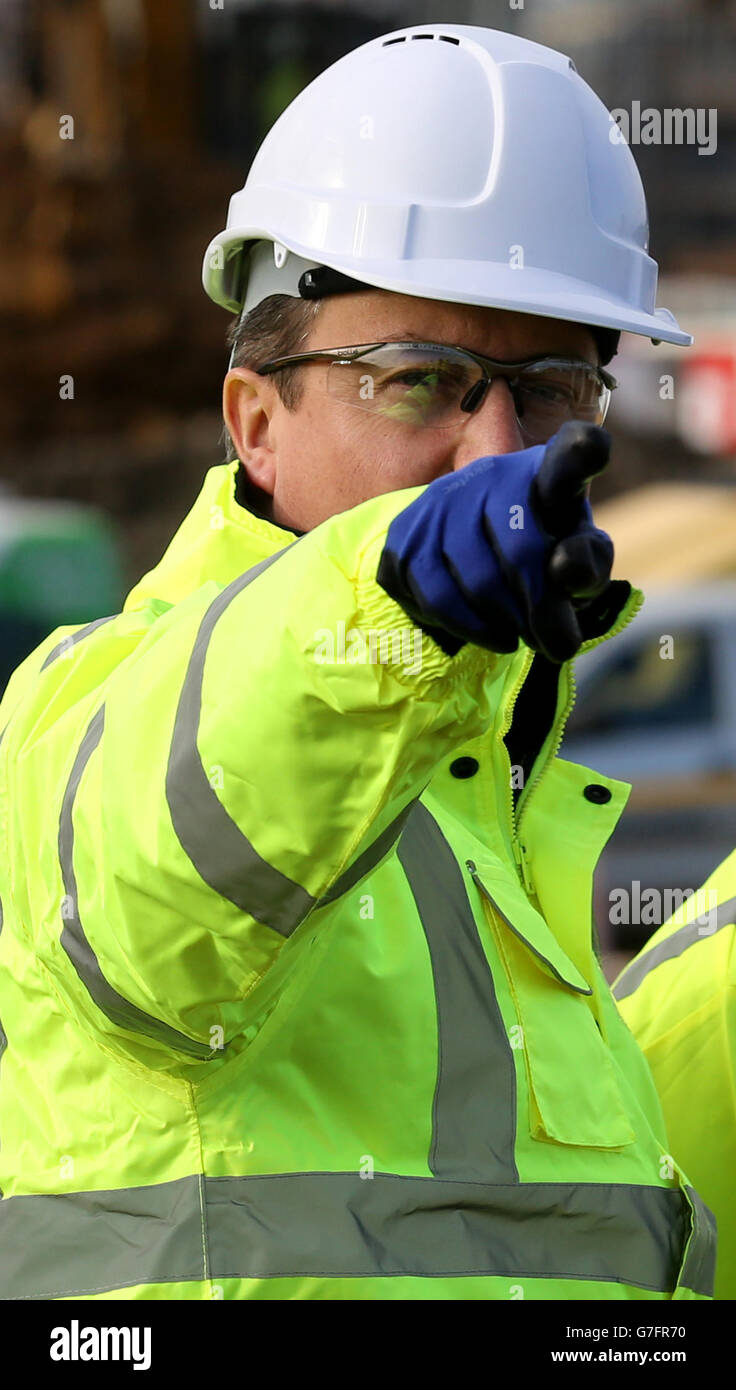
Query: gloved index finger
{"points": [[575, 455], [580, 564]]}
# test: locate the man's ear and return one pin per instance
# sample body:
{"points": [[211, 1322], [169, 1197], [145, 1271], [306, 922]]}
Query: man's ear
{"points": [[248, 401]]}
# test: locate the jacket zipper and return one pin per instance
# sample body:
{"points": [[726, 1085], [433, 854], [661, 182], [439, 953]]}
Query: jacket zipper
{"points": [[516, 817], [523, 673]]}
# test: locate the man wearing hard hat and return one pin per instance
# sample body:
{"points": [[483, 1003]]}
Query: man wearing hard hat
{"points": [[299, 986]]}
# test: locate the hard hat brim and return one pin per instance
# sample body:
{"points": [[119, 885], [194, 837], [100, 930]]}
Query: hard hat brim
{"points": [[521, 289]]}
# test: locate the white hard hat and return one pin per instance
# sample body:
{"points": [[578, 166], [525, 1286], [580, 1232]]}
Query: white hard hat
{"points": [[450, 162]]}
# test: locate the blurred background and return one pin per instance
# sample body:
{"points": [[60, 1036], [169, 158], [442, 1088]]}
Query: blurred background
{"points": [[112, 357]]}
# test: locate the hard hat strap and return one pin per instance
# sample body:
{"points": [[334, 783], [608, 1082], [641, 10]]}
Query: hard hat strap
{"points": [[314, 284]]}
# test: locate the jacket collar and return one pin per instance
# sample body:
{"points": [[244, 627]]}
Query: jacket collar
{"points": [[217, 541]]}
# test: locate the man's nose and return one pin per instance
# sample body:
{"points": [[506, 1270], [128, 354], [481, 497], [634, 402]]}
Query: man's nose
{"points": [[491, 429]]}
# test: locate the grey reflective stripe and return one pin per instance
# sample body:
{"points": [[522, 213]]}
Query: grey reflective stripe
{"points": [[215, 844], [222, 855], [474, 1109], [672, 947], [370, 857], [339, 1226], [71, 641], [336, 1225], [699, 1265], [89, 1242], [115, 1007]]}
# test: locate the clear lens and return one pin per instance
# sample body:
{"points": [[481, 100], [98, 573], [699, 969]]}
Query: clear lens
{"points": [[426, 386], [547, 394], [421, 386]]}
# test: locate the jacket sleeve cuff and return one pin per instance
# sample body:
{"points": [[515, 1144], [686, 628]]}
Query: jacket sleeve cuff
{"points": [[382, 615]]}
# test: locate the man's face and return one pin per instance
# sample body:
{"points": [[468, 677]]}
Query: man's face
{"points": [[326, 456]]}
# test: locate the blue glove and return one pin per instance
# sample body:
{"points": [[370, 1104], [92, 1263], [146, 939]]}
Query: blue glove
{"points": [[505, 548]]}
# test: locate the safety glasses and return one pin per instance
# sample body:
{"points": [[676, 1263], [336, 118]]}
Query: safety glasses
{"points": [[432, 386]]}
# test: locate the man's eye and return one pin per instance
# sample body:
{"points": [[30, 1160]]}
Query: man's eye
{"points": [[552, 392], [427, 377], [411, 378]]}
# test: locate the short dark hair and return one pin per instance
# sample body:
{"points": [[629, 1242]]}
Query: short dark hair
{"points": [[276, 327]]}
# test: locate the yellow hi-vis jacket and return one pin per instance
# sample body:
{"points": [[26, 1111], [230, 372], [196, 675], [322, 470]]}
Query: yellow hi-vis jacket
{"points": [[297, 1003], [678, 996]]}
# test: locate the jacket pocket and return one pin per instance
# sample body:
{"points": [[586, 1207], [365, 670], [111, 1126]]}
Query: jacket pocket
{"points": [[574, 1092]]}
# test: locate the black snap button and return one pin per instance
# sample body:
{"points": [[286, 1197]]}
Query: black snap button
{"points": [[464, 767], [597, 794]]}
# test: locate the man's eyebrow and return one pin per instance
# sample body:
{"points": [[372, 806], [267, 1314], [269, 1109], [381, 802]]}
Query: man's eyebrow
{"points": [[405, 336]]}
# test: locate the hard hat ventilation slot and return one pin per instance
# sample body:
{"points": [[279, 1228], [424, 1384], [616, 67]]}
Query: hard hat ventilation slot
{"points": [[446, 38]]}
